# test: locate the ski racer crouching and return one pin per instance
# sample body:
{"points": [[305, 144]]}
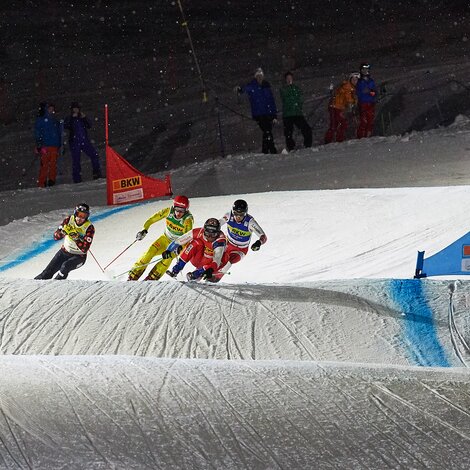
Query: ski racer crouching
{"points": [[240, 227], [205, 248], [77, 232], [178, 221]]}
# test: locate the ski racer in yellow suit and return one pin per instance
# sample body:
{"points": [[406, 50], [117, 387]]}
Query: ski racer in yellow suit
{"points": [[178, 222]]}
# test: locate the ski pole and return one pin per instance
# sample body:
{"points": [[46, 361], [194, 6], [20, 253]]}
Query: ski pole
{"points": [[140, 266], [96, 260], [122, 252]]}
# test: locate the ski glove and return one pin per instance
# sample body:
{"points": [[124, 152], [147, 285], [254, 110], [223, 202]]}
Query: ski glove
{"points": [[141, 235], [167, 254], [66, 229], [256, 245], [173, 246], [207, 273]]}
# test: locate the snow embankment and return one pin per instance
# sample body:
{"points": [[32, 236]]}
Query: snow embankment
{"points": [[134, 413], [401, 322], [232, 376]]}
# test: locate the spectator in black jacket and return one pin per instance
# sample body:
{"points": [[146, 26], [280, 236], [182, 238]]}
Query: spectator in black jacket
{"points": [[77, 124]]}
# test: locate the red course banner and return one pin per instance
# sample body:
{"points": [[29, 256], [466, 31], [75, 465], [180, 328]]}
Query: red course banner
{"points": [[125, 184]]}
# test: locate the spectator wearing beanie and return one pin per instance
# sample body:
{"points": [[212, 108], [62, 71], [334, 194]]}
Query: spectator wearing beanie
{"points": [[48, 135], [292, 114], [366, 97], [77, 124], [344, 99], [263, 108]]}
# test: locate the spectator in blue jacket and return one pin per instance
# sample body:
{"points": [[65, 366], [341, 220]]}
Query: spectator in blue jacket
{"points": [[48, 136], [263, 108], [77, 124], [366, 96]]}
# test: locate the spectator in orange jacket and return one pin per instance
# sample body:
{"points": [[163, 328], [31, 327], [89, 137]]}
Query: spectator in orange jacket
{"points": [[344, 98]]}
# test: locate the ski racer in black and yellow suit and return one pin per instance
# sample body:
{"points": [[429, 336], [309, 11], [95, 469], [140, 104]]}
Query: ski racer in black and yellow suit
{"points": [[178, 221], [77, 233]]}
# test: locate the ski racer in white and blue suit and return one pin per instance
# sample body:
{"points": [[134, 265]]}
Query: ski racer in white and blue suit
{"points": [[240, 227]]}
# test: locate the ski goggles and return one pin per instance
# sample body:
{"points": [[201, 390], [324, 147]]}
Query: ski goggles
{"points": [[81, 214], [211, 233], [181, 210], [239, 214]]}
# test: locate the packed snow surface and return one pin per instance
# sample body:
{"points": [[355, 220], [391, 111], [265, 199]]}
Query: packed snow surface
{"points": [[318, 351]]}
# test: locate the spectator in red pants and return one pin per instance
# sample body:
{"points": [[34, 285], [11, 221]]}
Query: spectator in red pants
{"points": [[366, 96], [48, 135], [344, 98]]}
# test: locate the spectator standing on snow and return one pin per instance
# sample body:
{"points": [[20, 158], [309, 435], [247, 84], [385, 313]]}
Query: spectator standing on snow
{"points": [[366, 97], [77, 124], [77, 231], [343, 100], [263, 108], [48, 135], [292, 114]]}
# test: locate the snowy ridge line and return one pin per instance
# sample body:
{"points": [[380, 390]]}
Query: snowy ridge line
{"points": [[343, 369], [355, 321]]}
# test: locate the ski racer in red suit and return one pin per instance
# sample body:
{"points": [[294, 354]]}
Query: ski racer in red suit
{"points": [[205, 247], [77, 231], [240, 227]]}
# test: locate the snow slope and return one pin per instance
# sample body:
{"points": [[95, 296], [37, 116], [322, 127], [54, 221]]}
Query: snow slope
{"points": [[318, 351]]}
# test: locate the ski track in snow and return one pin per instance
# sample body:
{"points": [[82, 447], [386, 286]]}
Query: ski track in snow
{"points": [[255, 372]]}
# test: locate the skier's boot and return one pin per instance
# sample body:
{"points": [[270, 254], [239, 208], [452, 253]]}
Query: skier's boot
{"points": [[192, 276], [195, 275], [176, 268], [133, 276], [153, 275]]}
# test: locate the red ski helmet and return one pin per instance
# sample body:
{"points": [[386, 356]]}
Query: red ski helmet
{"points": [[181, 202]]}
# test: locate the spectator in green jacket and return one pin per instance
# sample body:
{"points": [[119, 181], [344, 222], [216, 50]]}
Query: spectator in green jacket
{"points": [[292, 114]]}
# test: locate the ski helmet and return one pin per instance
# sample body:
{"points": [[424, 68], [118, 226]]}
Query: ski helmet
{"points": [[181, 202], [82, 209], [211, 228], [240, 206], [364, 68]]}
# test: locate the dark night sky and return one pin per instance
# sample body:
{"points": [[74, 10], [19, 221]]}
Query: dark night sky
{"points": [[135, 55]]}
